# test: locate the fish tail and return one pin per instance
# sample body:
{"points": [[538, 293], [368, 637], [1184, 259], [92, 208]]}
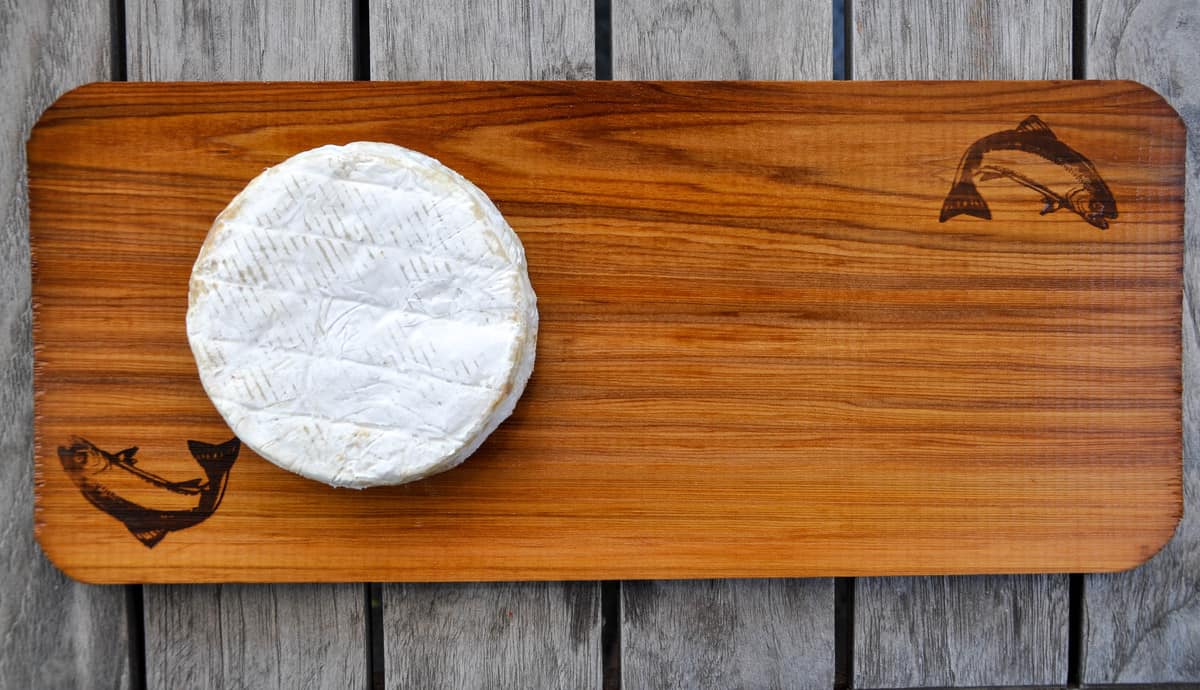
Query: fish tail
{"points": [[149, 537], [964, 199], [215, 459]]}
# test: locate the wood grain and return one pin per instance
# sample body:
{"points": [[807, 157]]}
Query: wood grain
{"points": [[725, 633], [279, 636], [54, 633], [969, 631], [1143, 626], [487, 635], [975, 39], [255, 636], [508, 39], [492, 635], [704, 39], [204, 40], [744, 369], [959, 632]]}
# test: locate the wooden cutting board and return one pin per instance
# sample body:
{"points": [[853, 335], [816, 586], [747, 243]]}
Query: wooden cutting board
{"points": [[776, 340]]}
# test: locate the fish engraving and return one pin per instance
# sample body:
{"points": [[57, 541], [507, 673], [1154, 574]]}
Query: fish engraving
{"points": [[180, 504], [1089, 196]]}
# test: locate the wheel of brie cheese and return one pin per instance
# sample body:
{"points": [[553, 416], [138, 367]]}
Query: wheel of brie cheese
{"points": [[362, 315]]}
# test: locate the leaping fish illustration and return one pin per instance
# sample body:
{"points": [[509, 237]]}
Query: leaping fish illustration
{"points": [[89, 467], [1090, 197]]}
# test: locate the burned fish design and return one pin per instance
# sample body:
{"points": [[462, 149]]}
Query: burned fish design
{"points": [[94, 470], [1090, 196]]}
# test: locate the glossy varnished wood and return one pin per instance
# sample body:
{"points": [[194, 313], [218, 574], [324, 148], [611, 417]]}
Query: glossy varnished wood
{"points": [[760, 352]]}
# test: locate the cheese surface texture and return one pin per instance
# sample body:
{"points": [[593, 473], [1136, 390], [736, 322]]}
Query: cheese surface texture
{"points": [[362, 315]]}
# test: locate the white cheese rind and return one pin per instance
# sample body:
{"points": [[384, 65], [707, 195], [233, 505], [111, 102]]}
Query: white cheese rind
{"points": [[362, 315]]}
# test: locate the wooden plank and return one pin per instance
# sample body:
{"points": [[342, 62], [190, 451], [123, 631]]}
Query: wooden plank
{"points": [[224, 39], [725, 633], [703, 39], [936, 39], [508, 39], [819, 386], [488, 635], [960, 631], [280, 636], [54, 632], [1143, 626], [499, 635], [255, 636]]}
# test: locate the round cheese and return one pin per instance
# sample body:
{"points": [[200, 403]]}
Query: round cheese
{"points": [[362, 315]]}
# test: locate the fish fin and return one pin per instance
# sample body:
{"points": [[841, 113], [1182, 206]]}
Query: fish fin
{"points": [[985, 175], [149, 537], [191, 486], [127, 455], [1034, 125], [1051, 206], [964, 199]]}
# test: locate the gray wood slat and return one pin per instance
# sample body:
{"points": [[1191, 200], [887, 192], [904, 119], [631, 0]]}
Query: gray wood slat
{"points": [[973, 39], [493, 635], [255, 636], [233, 636], [505, 39], [725, 633], [710, 39], [54, 632], [1143, 626], [960, 631], [487, 635], [201, 40]]}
